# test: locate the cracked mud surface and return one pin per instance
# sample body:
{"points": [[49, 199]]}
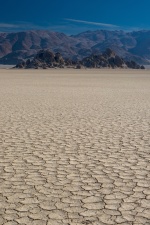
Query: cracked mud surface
{"points": [[74, 147]]}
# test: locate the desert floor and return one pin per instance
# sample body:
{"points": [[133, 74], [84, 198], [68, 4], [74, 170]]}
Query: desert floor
{"points": [[75, 147]]}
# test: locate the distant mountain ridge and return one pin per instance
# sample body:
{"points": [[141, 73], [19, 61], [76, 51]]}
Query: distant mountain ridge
{"points": [[23, 45]]}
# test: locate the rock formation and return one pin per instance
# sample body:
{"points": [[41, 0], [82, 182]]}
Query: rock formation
{"points": [[47, 59], [108, 60]]}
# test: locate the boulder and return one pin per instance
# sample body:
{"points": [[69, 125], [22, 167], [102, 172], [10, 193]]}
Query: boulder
{"points": [[109, 53], [142, 67]]}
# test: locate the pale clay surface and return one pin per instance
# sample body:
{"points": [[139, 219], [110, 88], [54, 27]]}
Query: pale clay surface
{"points": [[74, 147]]}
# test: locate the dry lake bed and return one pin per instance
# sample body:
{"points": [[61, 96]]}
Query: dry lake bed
{"points": [[74, 147]]}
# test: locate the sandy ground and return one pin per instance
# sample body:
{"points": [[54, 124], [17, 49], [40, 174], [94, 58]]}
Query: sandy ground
{"points": [[6, 66], [75, 147]]}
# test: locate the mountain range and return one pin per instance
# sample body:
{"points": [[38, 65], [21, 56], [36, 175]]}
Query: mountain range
{"points": [[23, 45]]}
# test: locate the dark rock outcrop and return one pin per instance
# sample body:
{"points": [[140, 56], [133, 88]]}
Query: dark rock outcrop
{"points": [[44, 59], [109, 59], [47, 59], [134, 65]]}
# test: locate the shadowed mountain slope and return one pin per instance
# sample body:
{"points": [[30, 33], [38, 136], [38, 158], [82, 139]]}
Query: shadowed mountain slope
{"points": [[23, 45]]}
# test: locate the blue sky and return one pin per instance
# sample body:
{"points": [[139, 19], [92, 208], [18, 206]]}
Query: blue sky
{"points": [[72, 17]]}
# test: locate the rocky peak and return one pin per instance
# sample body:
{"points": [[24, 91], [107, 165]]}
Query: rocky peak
{"points": [[45, 55], [109, 53], [59, 58]]}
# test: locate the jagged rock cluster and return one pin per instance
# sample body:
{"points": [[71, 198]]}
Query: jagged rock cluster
{"points": [[110, 60], [46, 59]]}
